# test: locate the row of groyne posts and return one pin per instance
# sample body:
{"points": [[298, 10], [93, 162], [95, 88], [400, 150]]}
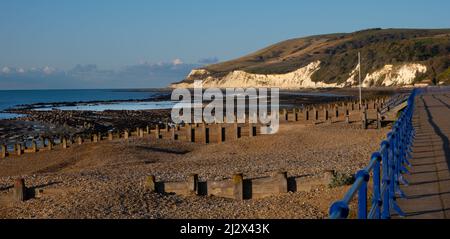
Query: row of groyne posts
{"points": [[384, 174], [350, 112]]}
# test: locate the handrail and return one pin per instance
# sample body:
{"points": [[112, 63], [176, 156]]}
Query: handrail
{"points": [[387, 167]]}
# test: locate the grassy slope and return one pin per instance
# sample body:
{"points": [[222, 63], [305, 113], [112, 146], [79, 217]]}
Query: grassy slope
{"points": [[338, 53]]}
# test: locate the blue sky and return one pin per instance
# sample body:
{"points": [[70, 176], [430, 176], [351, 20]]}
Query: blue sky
{"points": [[118, 34]]}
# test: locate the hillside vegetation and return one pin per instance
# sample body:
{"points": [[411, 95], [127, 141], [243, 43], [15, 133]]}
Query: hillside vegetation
{"points": [[338, 54]]}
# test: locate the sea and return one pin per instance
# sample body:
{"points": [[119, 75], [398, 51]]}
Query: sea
{"points": [[126, 99], [16, 98]]}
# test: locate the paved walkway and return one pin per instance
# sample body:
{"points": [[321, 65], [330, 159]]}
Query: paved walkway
{"points": [[428, 195]]}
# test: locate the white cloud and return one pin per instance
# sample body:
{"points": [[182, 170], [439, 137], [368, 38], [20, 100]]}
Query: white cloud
{"points": [[6, 70], [48, 70], [177, 61], [21, 70]]}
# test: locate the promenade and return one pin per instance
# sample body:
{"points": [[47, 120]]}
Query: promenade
{"points": [[428, 193]]}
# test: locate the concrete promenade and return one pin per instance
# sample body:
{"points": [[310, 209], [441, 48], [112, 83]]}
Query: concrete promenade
{"points": [[428, 195]]}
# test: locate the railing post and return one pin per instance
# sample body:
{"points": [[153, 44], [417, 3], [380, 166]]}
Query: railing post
{"points": [[377, 185], [362, 194], [386, 213]]}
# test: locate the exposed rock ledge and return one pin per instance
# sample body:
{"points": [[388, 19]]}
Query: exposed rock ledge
{"points": [[389, 75]]}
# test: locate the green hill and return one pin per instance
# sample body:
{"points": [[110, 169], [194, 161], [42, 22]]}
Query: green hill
{"points": [[338, 54]]}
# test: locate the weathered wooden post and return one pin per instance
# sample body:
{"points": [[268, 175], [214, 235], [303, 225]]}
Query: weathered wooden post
{"points": [[235, 131], [34, 148], [219, 133], [364, 119], [19, 193], [157, 132], [251, 130], [4, 152], [238, 186], [64, 143], [110, 136], [192, 184], [285, 115], [141, 133], [204, 134], [347, 117], [326, 114], [126, 134], [282, 181], [95, 138], [79, 140], [50, 144], [378, 119], [167, 127], [188, 128], [150, 183], [19, 149], [173, 134], [147, 130]]}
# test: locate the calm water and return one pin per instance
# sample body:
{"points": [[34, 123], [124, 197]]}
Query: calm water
{"points": [[14, 98]]}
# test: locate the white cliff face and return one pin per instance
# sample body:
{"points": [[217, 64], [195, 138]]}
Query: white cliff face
{"points": [[389, 75], [300, 78]]}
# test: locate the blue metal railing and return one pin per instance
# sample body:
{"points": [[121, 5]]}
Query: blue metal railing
{"points": [[386, 167]]}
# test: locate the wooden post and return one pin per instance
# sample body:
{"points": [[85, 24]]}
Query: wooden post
{"points": [[4, 152], [150, 183], [189, 137], [235, 131], [19, 149], [99, 136], [34, 146], [204, 134], [238, 186], [157, 132], [95, 138], [347, 117], [126, 134], [364, 119], [251, 130], [219, 133], [173, 135], [64, 143], [282, 182], [19, 194], [167, 127], [79, 140], [50, 144], [110, 136], [285, 115], [147, 130], [378, 119], [192, 184]]}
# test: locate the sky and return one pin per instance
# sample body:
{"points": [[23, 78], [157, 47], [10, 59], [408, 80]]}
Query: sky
{"points": [[141, 43]]}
